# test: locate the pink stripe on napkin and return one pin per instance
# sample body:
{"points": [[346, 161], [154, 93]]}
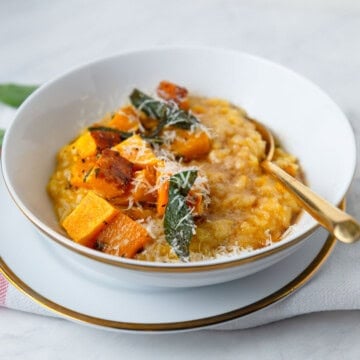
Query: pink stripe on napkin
{"points": [[3, 290]]}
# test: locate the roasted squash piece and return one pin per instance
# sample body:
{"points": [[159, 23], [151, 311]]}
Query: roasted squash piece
{"points": [[85, 222], [123, 237], [137, 151], [170, 91], [150, 174], [104, 139], [190, 145], [102, 187], [162, 186], [137, 213], [163, 196], [80, 170], [85, 145], [111, 175], [143, 190], [126, 119]]}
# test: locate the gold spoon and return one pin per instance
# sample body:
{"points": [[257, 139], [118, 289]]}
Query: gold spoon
{"points": [[344, 227]]}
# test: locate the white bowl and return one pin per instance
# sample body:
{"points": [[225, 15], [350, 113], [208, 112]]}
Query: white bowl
{"points": [[307, 122]]}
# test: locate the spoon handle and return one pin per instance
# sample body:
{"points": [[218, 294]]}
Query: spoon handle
{"points": [[344, 227]]}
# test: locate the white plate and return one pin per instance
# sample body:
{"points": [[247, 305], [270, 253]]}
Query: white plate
{"points": [[43, 272]]}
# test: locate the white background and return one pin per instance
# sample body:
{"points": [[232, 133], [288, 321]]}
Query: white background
{"points": [[319, 39]]}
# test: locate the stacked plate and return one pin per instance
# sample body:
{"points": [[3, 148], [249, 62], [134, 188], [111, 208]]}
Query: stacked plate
{"points": [[98, 289]]}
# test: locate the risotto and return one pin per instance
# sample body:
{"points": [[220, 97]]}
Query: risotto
{"points": [[172, 178]]}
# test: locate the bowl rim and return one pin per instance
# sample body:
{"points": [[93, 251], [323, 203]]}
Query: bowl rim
{"points": [[140, 265]]}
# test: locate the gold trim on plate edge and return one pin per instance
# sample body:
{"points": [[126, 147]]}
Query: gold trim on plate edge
{"points": [[293, 285]]}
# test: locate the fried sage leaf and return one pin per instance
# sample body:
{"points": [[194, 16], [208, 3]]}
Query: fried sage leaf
{"points": [[167, 113], [15, 94], [156, 109], [179, 226], [123, 134]]}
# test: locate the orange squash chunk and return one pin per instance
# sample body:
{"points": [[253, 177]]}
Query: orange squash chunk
{"points": [[162, 185], [163, 197], [85, 145], [190, 145], [86, 221], [103, 188], [137, 151], [80, 170], [104, 139], [111, 176], [170, 91], [150, 174], [126, 119], [123, 237], [137, 213], [142, 190]]}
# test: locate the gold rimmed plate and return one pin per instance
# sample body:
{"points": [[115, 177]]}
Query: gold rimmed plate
{"points": [[42, 271]]}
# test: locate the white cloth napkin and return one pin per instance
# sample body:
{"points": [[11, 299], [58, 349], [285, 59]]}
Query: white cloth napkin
{"points": [[335, 287]]}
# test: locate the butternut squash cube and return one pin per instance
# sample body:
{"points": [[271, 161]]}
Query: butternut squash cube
{"points": [[123, 237], [80, 169], [143, 190], [85, 145], [162, 185], [111, 176], [137, 151], [170, 91], [190, 145], [86, 221], [125, 119], [163, 197], [101, 186]]}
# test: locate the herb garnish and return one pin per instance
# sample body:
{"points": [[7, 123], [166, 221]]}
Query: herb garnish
{"points": [[14, 95], [167, 113], [179, 223], [123, 134]]}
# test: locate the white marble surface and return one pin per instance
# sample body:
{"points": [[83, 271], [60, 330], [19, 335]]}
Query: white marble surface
{"points": [[319, 39]]}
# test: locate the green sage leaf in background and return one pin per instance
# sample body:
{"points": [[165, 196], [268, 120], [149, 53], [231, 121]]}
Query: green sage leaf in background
{"points": [[2, 133], [179, 226], [15, 94]]}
